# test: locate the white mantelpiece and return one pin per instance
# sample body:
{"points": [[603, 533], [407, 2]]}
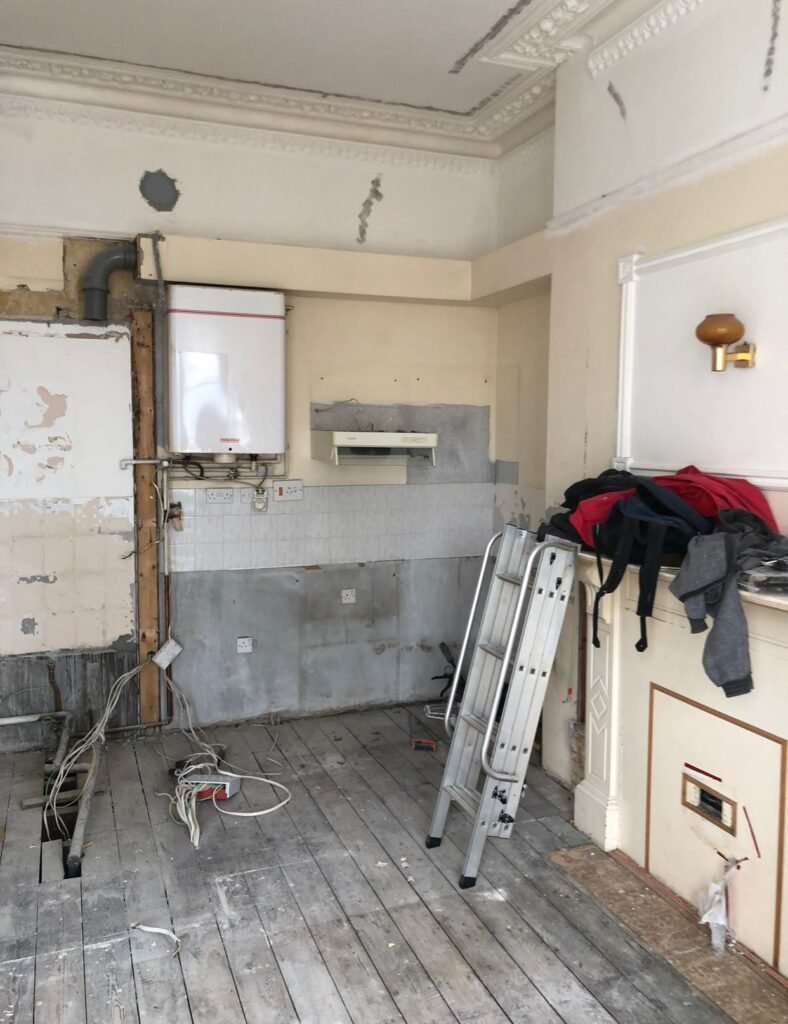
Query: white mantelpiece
{"points": [[654, 718]]}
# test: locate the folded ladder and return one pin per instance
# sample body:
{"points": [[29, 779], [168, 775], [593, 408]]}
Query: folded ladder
{"points": [[517, 636]]}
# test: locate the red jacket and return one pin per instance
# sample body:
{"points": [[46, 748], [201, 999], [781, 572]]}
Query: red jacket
{"points": [[707, 495]]}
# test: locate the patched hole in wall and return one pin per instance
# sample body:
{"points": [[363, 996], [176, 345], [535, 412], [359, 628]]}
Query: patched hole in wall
{"points": [[709, 803], [159, 190]]}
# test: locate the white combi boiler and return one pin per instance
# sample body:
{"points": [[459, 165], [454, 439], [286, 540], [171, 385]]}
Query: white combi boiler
{"points": [[227, 371]]}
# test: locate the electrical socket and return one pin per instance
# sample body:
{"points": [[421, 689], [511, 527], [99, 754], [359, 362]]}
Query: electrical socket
{"points": [[260, 501], [244, 645], [288, 490], [219, 496], [349, 596]]}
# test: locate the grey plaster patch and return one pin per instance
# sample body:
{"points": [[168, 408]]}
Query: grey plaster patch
{"points": [[463, 435], [159, 190], [617, 99], [768, 67], [29, 626], [51, 578], [311, 653], [507, 472], [374, 196]]}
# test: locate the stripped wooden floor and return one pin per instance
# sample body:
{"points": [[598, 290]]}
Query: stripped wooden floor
{"points": [[329, 912]]}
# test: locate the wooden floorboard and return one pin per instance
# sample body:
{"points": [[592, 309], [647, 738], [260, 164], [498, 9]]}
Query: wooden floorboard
{"points": [[646, 979], [327, 911]]}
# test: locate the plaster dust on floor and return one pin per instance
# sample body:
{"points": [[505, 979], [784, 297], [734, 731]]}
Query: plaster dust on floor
{"points": [[728, 979]]}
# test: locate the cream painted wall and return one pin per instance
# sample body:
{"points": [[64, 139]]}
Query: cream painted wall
{"points": [[584, 343], [696, 86], [382, 353], [521, 437], [521, 405]]}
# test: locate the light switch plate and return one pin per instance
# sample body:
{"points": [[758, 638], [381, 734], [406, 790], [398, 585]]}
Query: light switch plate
{"points": [[244, 645], [349, 596]]}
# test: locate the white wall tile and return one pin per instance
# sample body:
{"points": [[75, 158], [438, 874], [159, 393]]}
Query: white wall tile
{"points": [[208, 556], [182, 558]]}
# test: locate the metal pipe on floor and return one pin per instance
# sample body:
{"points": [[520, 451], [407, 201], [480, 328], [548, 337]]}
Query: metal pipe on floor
{"points": [[65, 735], [39, 716], [74, 857]]}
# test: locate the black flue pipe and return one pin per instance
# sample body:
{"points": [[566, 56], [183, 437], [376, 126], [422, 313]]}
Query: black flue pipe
{"points": [[95, 280]]}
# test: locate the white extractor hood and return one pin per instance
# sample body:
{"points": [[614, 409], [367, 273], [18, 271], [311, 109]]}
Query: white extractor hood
{"points": [[373, 447]]}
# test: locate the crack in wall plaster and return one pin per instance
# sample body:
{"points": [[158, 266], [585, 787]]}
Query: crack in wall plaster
{"points": [[768, 67], [496, 29], [54, 408], [375, 196], [159, 190], [617, 99]]}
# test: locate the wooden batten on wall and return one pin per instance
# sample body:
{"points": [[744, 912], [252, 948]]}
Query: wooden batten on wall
{"points": [[146, 510]]}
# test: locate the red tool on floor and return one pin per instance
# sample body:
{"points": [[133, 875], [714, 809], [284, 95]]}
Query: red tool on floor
{"points": [[423, 743]]}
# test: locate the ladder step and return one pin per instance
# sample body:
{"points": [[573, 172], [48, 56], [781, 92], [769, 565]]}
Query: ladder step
{"points": [[509, 577], [475, 722], [468, 799], [495, 649]]}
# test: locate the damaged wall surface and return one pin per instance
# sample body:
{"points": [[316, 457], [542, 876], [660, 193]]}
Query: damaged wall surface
{"points": [[627, 93], [238, 183], [66, 512], [311, 652]]}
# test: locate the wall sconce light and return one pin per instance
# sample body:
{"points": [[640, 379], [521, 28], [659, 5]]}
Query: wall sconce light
{"points": [[718, 331]]}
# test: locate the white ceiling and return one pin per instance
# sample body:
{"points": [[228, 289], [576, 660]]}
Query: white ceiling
{"points": [[465, 76], [386, 51]]}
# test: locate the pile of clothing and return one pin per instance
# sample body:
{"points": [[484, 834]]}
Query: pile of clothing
{"points": [[719, 531]]}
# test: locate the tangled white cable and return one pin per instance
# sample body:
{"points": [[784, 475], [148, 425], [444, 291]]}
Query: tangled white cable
{"points": [[88, 743], [183, 802]]}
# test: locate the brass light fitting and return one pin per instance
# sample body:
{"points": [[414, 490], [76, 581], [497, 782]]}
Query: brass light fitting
{"points": [[719, 331]]}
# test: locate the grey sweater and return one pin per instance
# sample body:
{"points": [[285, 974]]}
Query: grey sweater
{"points": [[706, 585]]}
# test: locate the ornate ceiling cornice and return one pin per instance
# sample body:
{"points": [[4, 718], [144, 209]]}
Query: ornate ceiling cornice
{"points": [[637, 33], [134, 89], [545, 36]]}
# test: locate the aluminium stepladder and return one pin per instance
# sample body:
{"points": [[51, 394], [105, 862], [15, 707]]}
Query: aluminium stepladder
{"points": [[529, 589]]}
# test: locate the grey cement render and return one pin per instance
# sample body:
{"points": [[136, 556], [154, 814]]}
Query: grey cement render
{"points": [[463, 435], [311, 653], [507, 472]]}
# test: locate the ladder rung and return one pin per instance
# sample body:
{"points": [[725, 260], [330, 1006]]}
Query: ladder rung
{"points": [[475, 722], [495, 649], [509, 577], [467, 798]]}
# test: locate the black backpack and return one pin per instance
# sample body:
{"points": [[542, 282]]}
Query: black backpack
{"points": [[650, 528], [610, 480]]}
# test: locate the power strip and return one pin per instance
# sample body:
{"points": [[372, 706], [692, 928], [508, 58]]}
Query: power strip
{"points": [[213, 787]]}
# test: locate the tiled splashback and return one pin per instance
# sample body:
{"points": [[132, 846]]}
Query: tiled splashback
{"points": [[333, 525]]}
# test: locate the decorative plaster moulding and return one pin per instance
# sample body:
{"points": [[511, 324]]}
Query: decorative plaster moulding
{"points": [[546, 36], [639, 32], [278, 141], [209, 103]]}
